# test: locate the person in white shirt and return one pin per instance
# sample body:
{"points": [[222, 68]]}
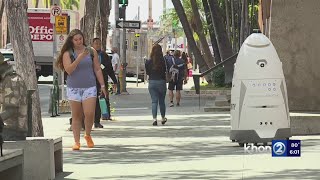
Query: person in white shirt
{"points": [[116, 66]]}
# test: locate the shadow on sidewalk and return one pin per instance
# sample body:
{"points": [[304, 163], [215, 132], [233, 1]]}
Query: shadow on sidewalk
{"points": [[183, 138]]}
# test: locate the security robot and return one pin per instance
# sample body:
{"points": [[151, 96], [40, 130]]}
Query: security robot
{"points": [[259, 103]]}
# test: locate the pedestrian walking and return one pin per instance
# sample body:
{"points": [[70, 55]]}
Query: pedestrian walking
{"points": [[82, 66], [107, 70], [156, 70], [116, 67], [177, 69]]}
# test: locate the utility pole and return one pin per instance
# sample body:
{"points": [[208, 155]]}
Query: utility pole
{"points": [[150, 26], [150, 11], [56, 73], [138, 45], [165, 29], [117, 31], [124, 54]]}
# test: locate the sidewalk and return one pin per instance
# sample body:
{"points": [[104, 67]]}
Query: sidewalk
{"points": [[193, 145]]}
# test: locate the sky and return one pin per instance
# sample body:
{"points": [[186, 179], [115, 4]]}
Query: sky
{"points": [[132, 9]]}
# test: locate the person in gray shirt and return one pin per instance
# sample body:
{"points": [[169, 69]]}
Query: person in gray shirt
{"points": [[82, 66]]}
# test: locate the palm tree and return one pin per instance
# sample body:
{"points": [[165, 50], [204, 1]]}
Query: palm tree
{"points": [[211, 31], [104, 17], [24, 56], [1, 10], [65, 4], [227, 19], [88, 23], [198, 28], [191, 42], [224, 44], [46, 2], [244, 31], [97, 29], [233, 27], [36, 3], [69, 4]]}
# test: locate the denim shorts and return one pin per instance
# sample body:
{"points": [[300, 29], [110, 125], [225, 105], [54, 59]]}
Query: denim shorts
{"points": [[81, 94]]}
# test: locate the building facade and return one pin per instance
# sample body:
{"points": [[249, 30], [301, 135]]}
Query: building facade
{"points": [[295, 34]]}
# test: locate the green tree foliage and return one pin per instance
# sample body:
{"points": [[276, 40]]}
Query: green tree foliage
{"points": [[231, 19], [65, 4], [218, 76], [70, 4], [171, 19]]}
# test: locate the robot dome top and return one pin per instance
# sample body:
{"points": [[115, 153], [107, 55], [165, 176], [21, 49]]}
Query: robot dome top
{"points": [[257, 40]]}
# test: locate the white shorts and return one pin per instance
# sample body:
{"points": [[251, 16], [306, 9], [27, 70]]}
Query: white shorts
{"points": [[81, 94]]}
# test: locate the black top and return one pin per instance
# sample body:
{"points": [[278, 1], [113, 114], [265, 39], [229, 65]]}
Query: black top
{"points": [[153, 74], [108, 69]]}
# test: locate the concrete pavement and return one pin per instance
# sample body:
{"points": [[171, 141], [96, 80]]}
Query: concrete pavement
{"points": [[193, 145]]}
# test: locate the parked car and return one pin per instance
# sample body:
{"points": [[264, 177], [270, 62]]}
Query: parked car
{"points": [[9, 58]]}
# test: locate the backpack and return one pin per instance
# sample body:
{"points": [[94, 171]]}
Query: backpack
{"points": [[71, 53], [174, 72]]}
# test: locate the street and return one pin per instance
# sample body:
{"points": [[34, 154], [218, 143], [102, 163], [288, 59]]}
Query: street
{"points": [[256, 63], [193, 145]]}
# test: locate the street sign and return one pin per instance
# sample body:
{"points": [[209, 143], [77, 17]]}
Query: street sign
{"points": [[55, 10], [128, 24], [62, 24], [60, 40]]}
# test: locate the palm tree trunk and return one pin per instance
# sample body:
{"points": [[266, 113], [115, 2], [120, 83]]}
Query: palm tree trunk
{"points": [[24, 56], [105, 13], [211, 32], [244, 31], [252, 16], [8, 35], [242, 22], [199, 30], [89, 20], [227, 19], [222, 38], [1, 14], [37, 4], [187, 30], [233, 28], [98, 22], [238, 9], [1, 10]]}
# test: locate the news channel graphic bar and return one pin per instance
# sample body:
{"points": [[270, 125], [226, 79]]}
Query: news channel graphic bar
{"points": [[286, 148]]}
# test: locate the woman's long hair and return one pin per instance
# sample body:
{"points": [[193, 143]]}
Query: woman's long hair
{"points": [[66, 46], [184, 57], [156, 57]]}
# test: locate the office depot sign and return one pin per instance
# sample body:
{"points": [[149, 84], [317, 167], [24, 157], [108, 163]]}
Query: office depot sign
{"points": [[40, 27]]}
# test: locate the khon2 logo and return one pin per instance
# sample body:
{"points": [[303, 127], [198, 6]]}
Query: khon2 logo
{"points": [[284, 148]]}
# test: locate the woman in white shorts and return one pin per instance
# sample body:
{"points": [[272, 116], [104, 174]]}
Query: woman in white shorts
{"points": [[83, 67]]}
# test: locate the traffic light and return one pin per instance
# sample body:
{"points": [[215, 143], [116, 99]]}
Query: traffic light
{"points": [[122, 12], [124, 2]]}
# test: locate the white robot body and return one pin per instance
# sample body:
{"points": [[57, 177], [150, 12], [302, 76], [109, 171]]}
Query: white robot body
{"points": [[259, 103]]}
